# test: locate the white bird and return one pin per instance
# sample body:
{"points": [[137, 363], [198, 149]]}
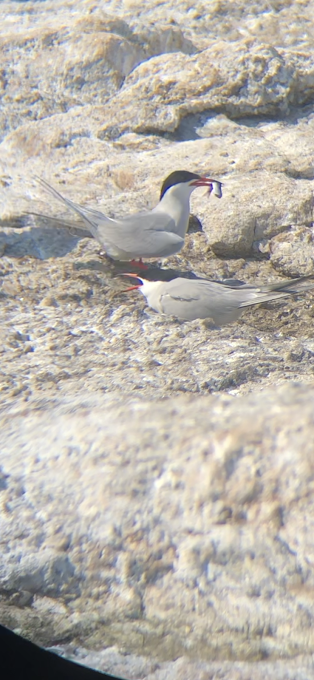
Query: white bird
{"points": [[190, 299], [156, 233]]}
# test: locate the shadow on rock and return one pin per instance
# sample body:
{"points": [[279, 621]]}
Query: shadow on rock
{"points": [[39, 242], [151, 271]]}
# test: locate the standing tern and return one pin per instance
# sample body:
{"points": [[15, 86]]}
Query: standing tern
{"points": [[157, 233], [190, 299]]}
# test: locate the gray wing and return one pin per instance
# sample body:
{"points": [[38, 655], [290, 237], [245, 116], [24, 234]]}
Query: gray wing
{"points": [[146, 235], [200, 299], [139, 235], [244, 294]]}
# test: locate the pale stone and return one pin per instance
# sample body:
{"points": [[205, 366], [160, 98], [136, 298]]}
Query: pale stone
{"points": [[292, 253], [273, 203], [253, 79], [171, 535], [185, 521], [77, 57]]}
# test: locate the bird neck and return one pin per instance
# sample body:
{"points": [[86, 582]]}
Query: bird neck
{"points": [[176, 203], [152, 291], [149, 287]]}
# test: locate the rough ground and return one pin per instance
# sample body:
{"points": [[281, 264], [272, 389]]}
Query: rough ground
{"points": [[68, 328], [157, 476], [166, 529]]}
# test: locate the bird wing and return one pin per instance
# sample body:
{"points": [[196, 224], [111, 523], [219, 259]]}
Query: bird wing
{"points": [[143, 235], [147, 234], [140, 235], [200, 298], [197, 299]]}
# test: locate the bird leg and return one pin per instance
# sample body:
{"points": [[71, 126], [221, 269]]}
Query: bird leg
{"points": [[139, 264]]}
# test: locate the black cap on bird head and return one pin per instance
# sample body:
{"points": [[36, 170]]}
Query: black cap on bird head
{"points": [[177, 177]]}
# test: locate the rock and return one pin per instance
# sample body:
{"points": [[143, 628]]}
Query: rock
{"points": [[278, 22], [273, 203], [292, 253], [156, 475], [252, 80], [42, 572], [49, 301], [133, 516], [85, 62]]}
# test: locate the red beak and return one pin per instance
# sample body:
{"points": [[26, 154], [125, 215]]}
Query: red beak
{"points": [[133, 276], [212, 184], [202, 182]]}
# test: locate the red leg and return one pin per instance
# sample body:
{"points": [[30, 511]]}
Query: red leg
{"points": [[139, 264]]}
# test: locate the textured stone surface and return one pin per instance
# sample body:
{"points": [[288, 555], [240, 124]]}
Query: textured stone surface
{"points": [[54, 60], [249, 80], [293, 252], [185, 524], [156, 479], [134, 667], [66, 325]]}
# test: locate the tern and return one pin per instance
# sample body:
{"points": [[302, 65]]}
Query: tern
{"points": [[157, 233], [191, 299]]}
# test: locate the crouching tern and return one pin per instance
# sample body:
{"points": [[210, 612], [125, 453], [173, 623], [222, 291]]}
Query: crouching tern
{"points": [[156, 233], [191, 299]]}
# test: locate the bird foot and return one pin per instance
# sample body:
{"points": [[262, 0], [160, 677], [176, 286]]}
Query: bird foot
{"points": [[139, 264]]}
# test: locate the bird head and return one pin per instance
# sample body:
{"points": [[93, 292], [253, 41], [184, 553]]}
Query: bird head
{"points": [[144, 286], [191, 181], [134, 276]]}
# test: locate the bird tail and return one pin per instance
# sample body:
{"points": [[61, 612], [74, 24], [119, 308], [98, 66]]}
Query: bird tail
{"points": [[302, 283], [273, 291], [90, 216], [74, 227]]}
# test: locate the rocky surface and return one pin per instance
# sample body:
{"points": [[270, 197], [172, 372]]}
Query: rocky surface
{"points": [[156, 475], [171, 528]]}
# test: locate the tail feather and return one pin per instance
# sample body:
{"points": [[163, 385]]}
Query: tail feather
{"points": [[58, 222], [290, 285], [86, 213], [275, 291]]}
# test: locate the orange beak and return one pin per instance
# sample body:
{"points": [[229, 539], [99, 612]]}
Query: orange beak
{"points": [[202, 182], [212, 184], [133, 276]]}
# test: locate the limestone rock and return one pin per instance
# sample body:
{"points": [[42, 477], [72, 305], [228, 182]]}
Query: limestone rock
{"points": [[75, 58], [156, 481], [253, 79], [292, 253], [193, 510], [272, 203], [280, 22]]}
